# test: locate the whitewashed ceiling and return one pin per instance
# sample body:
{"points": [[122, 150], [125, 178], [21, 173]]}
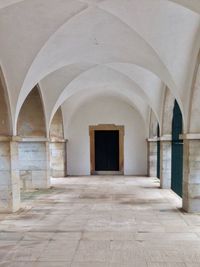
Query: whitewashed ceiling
{"points": [[132, 48]]}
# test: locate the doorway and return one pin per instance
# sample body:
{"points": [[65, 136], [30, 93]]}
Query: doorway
{"points": [[177, 151], [107, 149]]}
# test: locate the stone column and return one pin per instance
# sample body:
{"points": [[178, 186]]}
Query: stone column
{"points": [[58, 160], [152, 157], [165, 162], [34, 163], [9, 175], [191, 173]]}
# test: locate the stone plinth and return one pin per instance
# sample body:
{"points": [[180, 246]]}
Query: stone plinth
{"points": [[9, 176], [58, 158], [34, 163], [152, 157], [191, 173], [165, 162]]}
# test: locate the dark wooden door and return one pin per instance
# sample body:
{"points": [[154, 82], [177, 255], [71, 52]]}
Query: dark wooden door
{"points": [[158, 152], [177, 151], [106, 150]]}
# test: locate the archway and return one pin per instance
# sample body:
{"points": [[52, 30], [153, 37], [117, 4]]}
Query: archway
{"points": [[58, 146], [33, 144], [177, 151], [106, 110], [5, 114], [31, 120], [9, 175]]}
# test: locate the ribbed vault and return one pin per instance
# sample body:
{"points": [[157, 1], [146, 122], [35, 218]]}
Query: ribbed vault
{"points": [[134, 49]]}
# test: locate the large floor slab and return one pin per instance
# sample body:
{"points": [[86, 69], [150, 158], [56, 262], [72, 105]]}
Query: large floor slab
{"points": [[100, 222]]}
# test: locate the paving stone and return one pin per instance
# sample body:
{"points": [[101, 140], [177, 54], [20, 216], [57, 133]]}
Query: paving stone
{"points": [[100, 221]]}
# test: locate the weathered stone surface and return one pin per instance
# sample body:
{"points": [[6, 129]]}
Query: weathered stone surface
{"points": [[31, 120], [191, 183], [56, 129], [152, 158], [165, 164], [58, 159], [9, 177], [101, 222], [34, 164]]}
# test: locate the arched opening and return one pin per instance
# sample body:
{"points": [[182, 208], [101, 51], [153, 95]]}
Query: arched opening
{"points": [[56, 128], [33, 145], [58, 146], [9, 175], [5, 116], [177, 151], [158, 151], [31, 120], [105, 112]]}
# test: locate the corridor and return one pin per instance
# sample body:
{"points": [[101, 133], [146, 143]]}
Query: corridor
{"points": [[100, 221]]}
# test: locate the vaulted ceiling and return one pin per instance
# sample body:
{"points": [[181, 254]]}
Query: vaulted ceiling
{"points": [[132, 48]]}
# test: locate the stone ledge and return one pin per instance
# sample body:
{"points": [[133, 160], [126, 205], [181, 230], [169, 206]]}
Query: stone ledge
{"points": [[31, 139], [23, 139], [166, 138], [5, 138], [162, 138], [58, 140], [190, 136], [154, 139]]}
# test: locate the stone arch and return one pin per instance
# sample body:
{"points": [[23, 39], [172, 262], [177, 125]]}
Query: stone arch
{"points": [[56, 127], [166, 127], [31, 119], [58, 146], [166, 151], [165, 140], [153, 125], [33, 143], [106, 110], [9, 175], [5, 114]]}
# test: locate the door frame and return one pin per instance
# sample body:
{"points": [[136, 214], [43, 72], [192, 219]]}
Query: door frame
{"points": [[106, 127]]}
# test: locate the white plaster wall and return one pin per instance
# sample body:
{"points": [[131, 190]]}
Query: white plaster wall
{"points": [[106, 110]]}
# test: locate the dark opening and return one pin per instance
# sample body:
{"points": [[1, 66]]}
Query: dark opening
{"points": [[106, 150], [177, 151], [158, 152]]}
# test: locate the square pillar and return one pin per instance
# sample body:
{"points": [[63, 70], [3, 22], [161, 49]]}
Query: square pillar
{"points": [[34, 162], [191, 173], [9, 176], [58, 159], [165, 162], [152, 157]]}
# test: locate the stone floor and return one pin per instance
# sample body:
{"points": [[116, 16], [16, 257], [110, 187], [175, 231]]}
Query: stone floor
{"points": [[100, 222]]}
